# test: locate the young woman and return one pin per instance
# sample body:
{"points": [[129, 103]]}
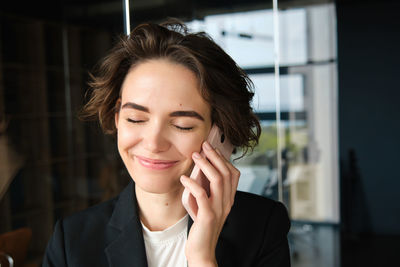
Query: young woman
{"points": [[160, 90]]}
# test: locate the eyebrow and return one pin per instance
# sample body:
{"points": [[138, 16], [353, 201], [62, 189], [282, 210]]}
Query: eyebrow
{"points": [[179, 113], [135, 106], [185, 113]]}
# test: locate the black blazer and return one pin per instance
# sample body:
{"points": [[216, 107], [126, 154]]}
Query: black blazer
{"points": [[110, 234]]}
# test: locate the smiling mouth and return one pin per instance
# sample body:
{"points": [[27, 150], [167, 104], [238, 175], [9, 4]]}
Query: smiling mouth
{"points": [[155, 164]]}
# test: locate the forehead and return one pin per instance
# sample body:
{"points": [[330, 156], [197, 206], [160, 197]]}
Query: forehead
{"points": [[161, 83]]}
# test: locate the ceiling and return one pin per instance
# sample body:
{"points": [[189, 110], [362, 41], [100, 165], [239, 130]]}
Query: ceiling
{"points": [[108, 14]]}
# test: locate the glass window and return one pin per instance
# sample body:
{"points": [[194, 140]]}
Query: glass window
{"points": [[305, 168]]}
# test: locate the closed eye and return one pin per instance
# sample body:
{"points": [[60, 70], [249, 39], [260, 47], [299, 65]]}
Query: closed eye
{"points": [[176, 126], [184, 128], [134, 121]]}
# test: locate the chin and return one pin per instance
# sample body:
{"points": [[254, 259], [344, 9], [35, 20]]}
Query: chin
{"points": [[159, 189], [156, 184]]}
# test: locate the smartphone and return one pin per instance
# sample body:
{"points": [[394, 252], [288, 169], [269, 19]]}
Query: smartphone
{"points": [[218, 141]]}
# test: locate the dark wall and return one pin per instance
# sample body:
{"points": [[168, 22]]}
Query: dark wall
{"points": [[369, 115]]}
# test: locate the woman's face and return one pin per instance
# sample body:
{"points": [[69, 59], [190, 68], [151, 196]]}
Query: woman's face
{"points": [[163, 119]]}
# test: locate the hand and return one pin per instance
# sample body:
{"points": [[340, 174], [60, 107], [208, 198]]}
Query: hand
{"points": [[212, 211]]}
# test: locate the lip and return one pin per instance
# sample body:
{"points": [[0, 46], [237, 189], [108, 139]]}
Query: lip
{"points": [[155, 164]]}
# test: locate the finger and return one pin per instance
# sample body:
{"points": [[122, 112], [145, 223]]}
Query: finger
{"points": [[217, 160], [212, 174], [189, 203], [220, 163], [235, 176], [227, 180], [198, 193]]}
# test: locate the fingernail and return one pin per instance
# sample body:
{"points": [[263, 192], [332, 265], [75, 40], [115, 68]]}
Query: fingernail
{"points": [[207, 146], [196, 155]]}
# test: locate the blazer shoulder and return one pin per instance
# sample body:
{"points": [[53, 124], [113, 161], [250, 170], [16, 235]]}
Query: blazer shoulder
{"points": [[82, 233], [254, 202], [251, 197], [98, 214], [255, 232], [261, 209]]}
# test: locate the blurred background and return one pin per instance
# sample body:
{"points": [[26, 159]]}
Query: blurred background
{"points": [[326, 92]]}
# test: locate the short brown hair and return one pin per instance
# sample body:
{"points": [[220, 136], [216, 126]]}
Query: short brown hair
{"points": [[224, 85]]}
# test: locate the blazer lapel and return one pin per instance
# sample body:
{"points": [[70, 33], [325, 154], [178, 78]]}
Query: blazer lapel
{"points": [[126, 246]]}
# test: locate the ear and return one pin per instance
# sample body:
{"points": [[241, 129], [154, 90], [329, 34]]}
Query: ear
{"points": [[116, 119], [117, 108]]}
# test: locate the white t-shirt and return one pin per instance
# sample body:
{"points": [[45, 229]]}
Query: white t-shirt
{"points": [[167, 248]]}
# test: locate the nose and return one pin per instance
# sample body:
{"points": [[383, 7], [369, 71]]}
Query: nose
{"points": [[155, 139]]}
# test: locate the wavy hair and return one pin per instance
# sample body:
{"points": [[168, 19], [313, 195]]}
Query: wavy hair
{"points": [[223, 84]]}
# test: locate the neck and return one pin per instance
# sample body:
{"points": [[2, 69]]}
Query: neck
{"points": [[160, 211]]}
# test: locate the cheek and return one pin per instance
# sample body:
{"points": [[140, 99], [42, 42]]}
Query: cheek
{"points": [[187, 146], [126, 137]]}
